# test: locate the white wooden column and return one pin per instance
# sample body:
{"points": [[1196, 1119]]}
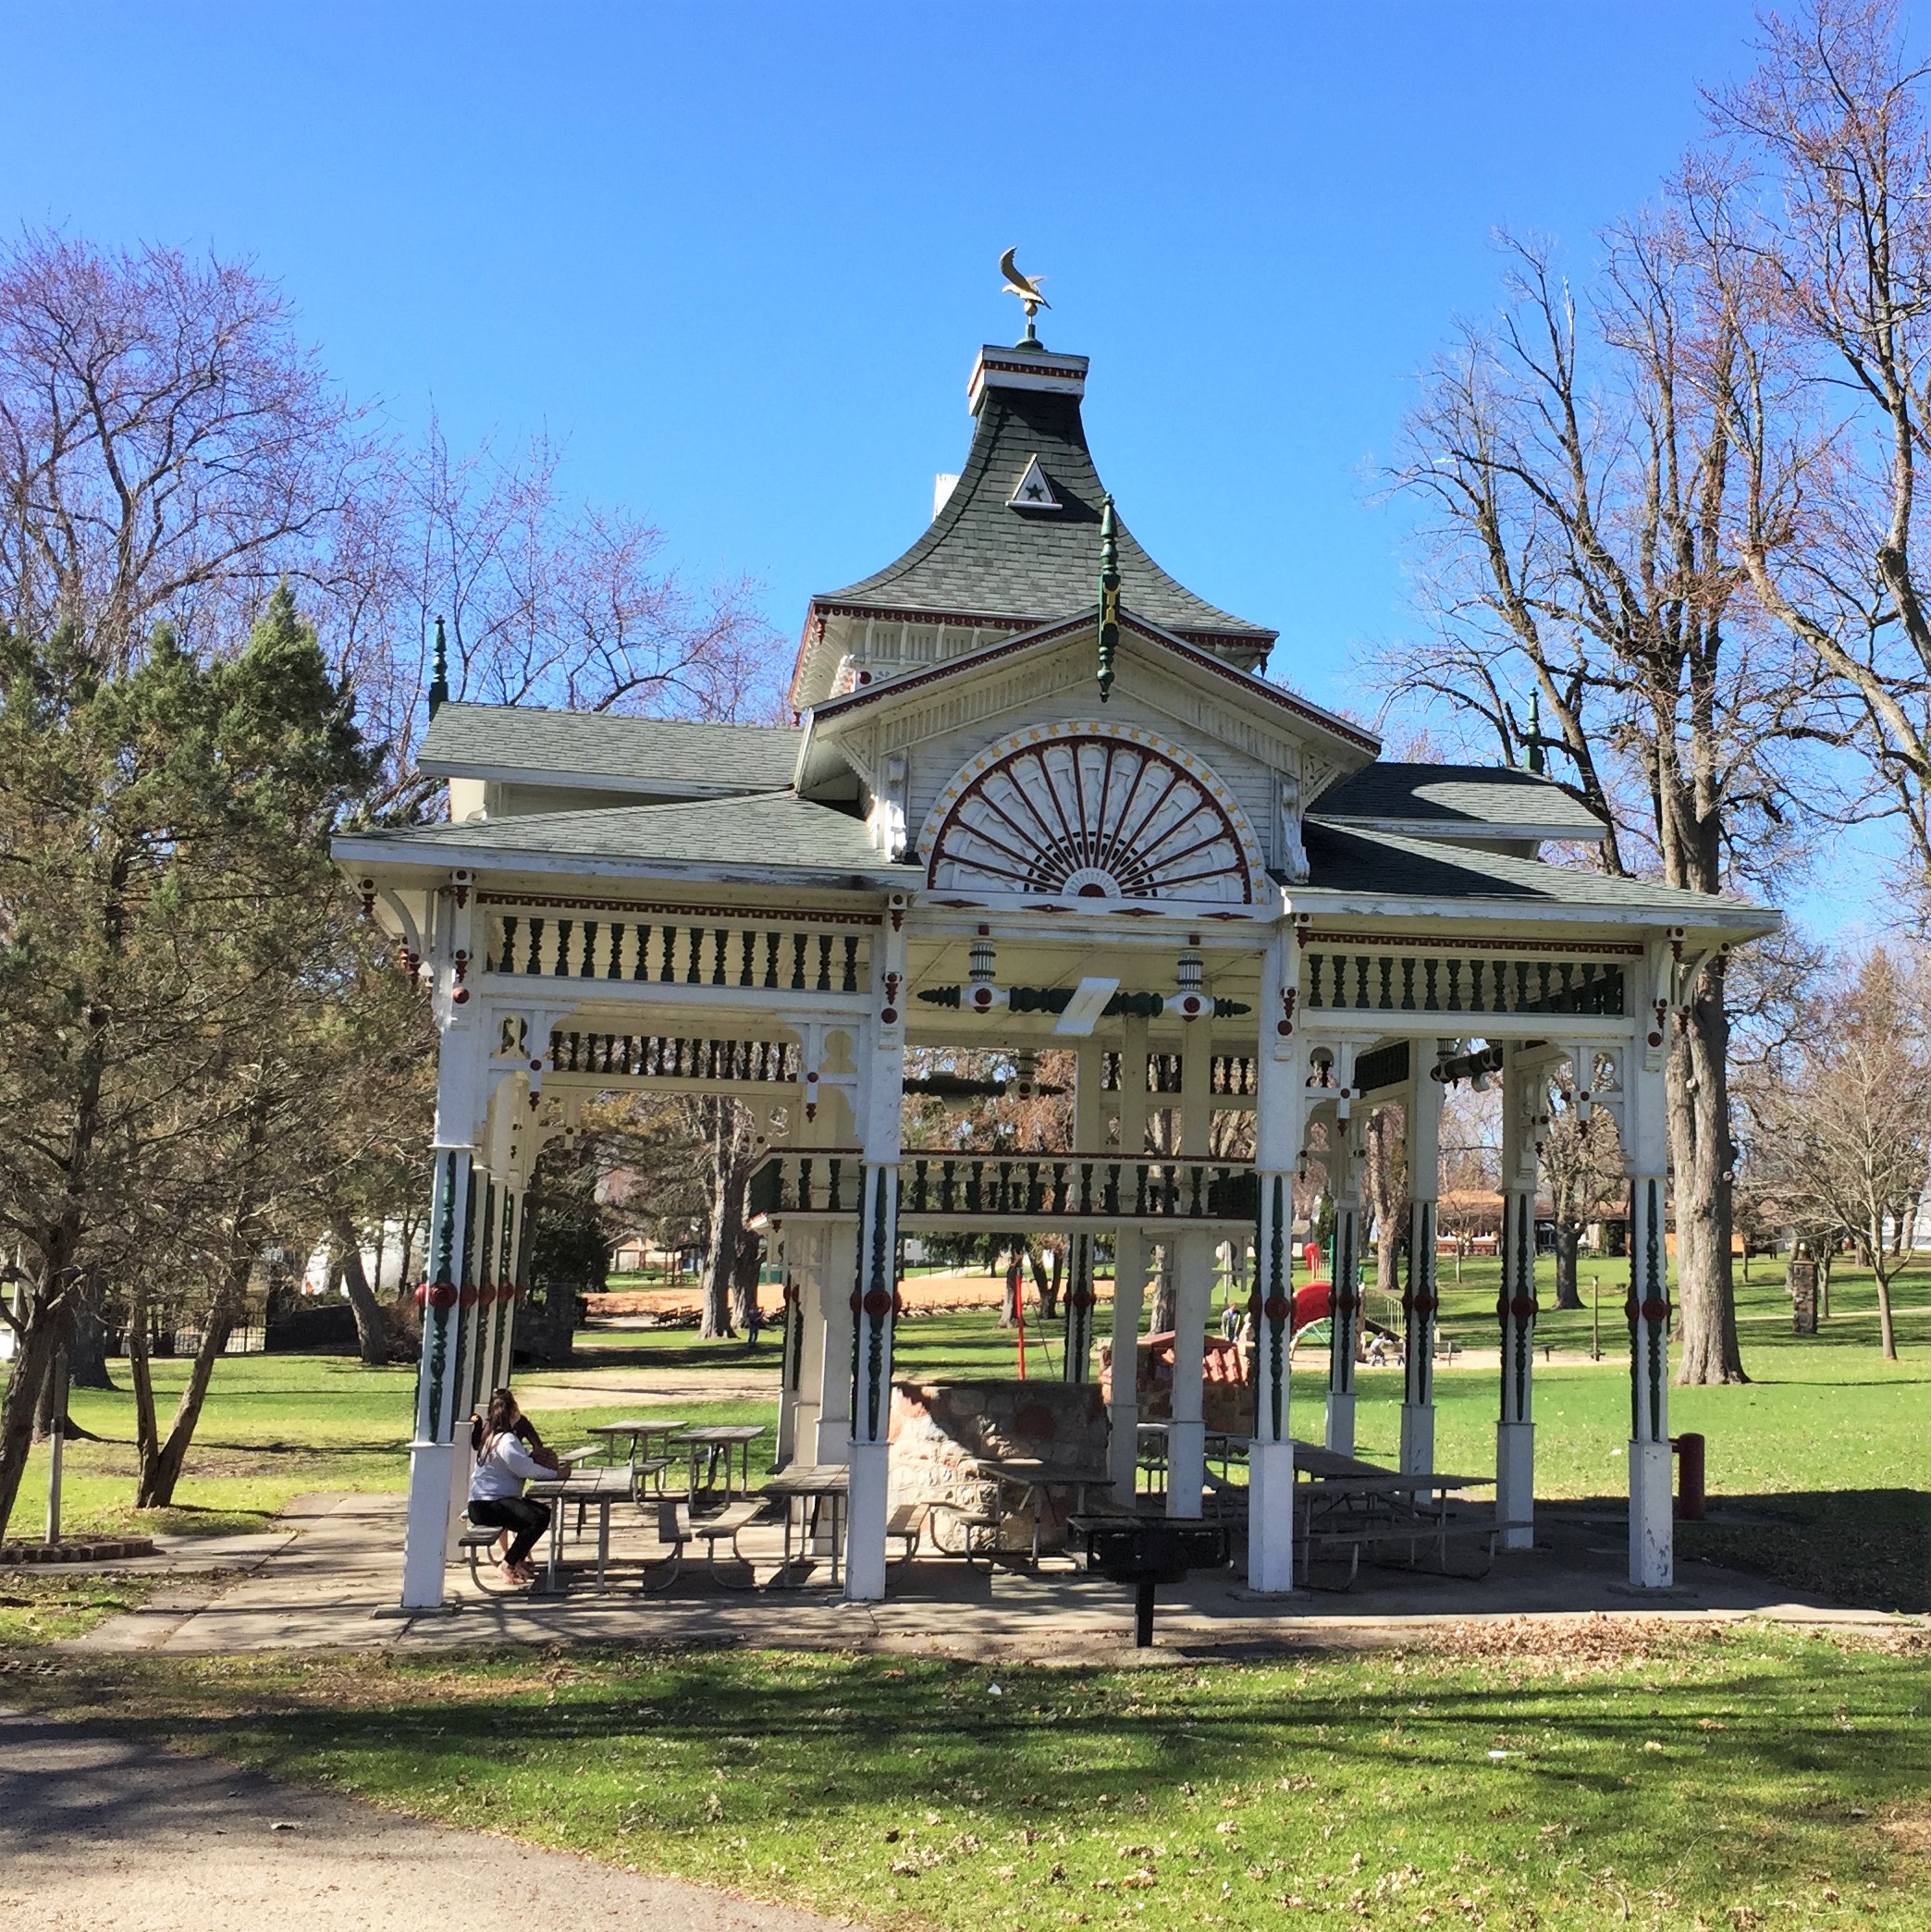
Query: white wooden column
{"points": [[510, 1250], [1089, 1140], [1645, 1139], [882, 1089], [433, 1458], [1280, 1113], [790, 1355], [1129, 1275], [1423, 1111], [823, 1257], [1347, 1141], [1192, 1262], [471, 1304], [1516, 1304], [837, 1286]]}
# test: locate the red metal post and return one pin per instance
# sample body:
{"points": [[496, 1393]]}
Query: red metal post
{"points": [[1691, 1468]]}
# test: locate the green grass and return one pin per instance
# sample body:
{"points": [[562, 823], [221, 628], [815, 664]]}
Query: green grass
{"points": [[277, 1426], [1653, 1776], [44, 1606]]}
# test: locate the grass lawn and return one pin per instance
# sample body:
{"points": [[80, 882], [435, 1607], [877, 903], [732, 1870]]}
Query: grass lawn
{"points": [[1647, 1776], [43, 1606], [275, 1426]]}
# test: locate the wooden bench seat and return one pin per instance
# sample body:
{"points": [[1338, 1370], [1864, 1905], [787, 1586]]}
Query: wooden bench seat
{"points": [[473, 1541], [726, 1526], [907, 1524], [1370, 1537]]}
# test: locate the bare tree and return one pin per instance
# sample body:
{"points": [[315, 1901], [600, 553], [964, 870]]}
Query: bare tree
{"points": [[1587, 499], [1838, 232], [168, 447], [1385, 1188], [1842, 1121], [546, 601], [1581, 1164]]}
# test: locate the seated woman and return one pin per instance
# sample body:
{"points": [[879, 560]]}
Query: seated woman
{"points": [[495, 1498]]}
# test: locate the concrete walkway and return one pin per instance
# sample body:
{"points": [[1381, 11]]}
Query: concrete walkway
{"points": [[336, 1582], [97, 1835]]}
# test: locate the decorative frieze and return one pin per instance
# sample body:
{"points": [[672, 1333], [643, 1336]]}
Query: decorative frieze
{"points": [[1461, 982], [661, 1056], [1013, 1190], [677, 951]]}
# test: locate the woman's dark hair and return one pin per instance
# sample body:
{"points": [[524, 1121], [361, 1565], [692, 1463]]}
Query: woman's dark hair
{"points": [[500, 1416]]}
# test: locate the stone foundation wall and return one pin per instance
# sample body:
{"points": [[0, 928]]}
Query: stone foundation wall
{"points": [[937, 1428]]}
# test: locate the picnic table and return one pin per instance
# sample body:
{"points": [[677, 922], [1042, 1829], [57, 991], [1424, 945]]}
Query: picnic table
{"points": [[715, 1440], [594, 1489], [1034, 1478], [1348, 1504], [1150, 1453], [640, 1429], [806, 1488]]}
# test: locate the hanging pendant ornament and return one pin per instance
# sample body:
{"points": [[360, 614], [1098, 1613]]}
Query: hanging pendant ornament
{"points": [[1109, 596]]}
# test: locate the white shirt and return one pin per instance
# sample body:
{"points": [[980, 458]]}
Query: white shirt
{"points": [[503, 1468]]}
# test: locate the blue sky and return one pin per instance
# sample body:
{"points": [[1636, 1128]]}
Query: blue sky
{"points": [[738, 257]]}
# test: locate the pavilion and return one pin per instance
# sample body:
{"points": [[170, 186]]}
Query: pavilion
{"points": [[1037, 795]]}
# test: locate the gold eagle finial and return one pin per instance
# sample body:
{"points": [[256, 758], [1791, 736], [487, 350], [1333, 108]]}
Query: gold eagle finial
{"points": [[1026, 287]]}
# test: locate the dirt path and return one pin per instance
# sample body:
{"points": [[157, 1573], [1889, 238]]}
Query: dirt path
{"points": [[646, 1387], [98, 1834]]}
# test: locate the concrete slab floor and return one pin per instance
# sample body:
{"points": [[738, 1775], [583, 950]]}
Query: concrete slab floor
{"points": [[333, 1581]]}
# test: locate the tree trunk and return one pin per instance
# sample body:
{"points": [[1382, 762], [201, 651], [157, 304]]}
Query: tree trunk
{"points": [[1886, 1333], [1700, 1152], [1165, 1304], [43, 1404], [42, 1335], [1569, 1243], [370, 1330], [161, 1464], [1387, 1262], [87, 1334], [743, 1278], [147, 1434], [32, 1368], [730, 1173], [1046, 1280]]}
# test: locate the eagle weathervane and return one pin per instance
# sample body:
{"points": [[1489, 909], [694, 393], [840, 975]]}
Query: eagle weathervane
{"points": [[1026, 287]]}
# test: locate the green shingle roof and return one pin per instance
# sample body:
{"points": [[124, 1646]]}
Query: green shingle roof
{"points": [[1457, 794], [980, 558], [1384, 864], [634, 753], [773, 829]]}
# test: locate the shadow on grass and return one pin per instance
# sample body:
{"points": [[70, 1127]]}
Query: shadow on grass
{"points": [[1791, 1748], [1867, 1548]]}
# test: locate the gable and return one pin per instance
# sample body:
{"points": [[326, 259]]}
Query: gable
{"points": [[1091, 809], [909, 740]]}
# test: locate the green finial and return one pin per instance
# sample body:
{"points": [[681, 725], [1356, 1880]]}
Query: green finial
{"points": [[1533, 736], [1109, 596], [439, 676]]}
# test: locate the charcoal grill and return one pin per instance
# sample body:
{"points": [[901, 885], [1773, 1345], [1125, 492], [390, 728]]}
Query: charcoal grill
{"points": [[1146, 1551]]}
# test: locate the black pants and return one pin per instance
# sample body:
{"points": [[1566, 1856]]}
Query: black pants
{"points": [[525, 1520]]}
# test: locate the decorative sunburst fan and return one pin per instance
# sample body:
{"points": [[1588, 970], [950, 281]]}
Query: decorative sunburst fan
{"points": [[1091, 812]]}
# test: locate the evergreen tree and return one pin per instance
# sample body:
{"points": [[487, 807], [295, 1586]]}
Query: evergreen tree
{"points": [[171, 960]]}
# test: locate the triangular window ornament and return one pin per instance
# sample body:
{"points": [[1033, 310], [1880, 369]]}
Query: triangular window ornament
{"points": [[1033, 492]]}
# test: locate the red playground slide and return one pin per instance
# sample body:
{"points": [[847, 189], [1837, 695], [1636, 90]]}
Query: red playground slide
{"points": [[1313, 1301]]}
